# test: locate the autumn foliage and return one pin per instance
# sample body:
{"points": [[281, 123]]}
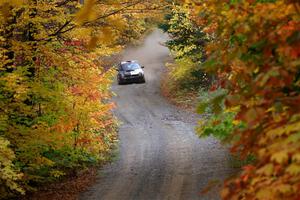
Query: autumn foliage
{"points": [[55, 107], [255, 52]]}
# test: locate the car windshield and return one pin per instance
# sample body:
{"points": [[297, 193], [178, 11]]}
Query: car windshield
{"points": [[130, 66]]}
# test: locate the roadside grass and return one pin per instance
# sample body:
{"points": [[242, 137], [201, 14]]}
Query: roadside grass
{"points": [[183, 98], [66, 188], [236, 162], [187, 99]]}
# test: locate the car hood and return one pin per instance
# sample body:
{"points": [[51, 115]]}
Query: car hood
{"points": [[134, 72]]}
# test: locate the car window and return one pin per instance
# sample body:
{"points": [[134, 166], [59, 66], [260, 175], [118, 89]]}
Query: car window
{"points": [[131, 66]]}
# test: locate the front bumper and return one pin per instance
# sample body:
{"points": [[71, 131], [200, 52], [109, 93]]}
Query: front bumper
{"points": [[132, 78]]}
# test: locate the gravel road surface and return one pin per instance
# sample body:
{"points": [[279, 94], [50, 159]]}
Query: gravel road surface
{"points": [[160, 157]]}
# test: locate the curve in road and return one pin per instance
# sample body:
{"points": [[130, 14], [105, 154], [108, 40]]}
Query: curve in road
{"points": [[160, 155]]}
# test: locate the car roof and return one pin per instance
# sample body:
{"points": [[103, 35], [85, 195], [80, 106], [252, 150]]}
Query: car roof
{"points": [[129, 61]]}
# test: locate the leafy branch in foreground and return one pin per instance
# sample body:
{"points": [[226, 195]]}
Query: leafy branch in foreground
{"points": [[55, 109], [255, 54]]}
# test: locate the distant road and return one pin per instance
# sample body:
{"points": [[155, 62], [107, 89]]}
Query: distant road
{"points": [[160, 158]]}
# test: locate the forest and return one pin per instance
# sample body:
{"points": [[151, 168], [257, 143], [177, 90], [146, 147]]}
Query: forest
{"points": [[237, 63], [55, 108]]}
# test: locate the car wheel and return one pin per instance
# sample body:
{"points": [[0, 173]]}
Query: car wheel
{"points": [[120, 82]]}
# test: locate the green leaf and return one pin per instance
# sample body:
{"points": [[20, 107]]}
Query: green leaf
{"points": [[202, 106]]}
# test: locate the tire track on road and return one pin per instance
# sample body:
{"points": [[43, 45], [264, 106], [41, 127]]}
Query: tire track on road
{"points": [[160, 156]]}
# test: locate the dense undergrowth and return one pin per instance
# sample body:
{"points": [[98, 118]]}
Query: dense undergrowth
{"points": [[252, 51], [55, 107], [184, 76]]}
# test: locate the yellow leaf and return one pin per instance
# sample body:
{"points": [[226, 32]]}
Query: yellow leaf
{"points": [[264, 194], [280, 157], [86, 13], [92, 43], [106, 35], [293, 169], [284, 188], [287, 129], [236, 122], [13, 2], [266, 170], [296, 157]]}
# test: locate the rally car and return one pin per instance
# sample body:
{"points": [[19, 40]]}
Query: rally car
{"points": [[130, 72]]}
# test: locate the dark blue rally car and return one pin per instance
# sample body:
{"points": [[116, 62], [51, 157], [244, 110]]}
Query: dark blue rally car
{"points": [[130, 72]]}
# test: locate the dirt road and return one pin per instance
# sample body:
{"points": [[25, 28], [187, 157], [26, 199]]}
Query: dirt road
{"points": [[160, 155]]}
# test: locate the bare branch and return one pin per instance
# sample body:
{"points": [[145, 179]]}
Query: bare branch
{"points": [[59, 31], [127, 6]]}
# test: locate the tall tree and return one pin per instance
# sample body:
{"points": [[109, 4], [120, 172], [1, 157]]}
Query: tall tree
{"points": [[256, 55], [54, 95]]}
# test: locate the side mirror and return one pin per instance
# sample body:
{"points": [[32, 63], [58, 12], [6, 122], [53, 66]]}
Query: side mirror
{"points": [[143, 66]]}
